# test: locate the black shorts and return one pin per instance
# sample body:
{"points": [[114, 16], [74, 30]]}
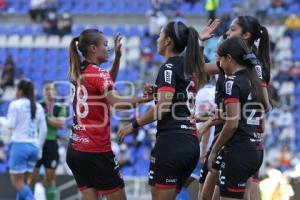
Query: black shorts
{"points": [[236, 168], [173, 159], [95, 170], [50, 155], [216, 165]]}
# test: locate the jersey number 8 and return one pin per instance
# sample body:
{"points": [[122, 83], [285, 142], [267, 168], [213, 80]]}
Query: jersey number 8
{"points": [[82, 107]]}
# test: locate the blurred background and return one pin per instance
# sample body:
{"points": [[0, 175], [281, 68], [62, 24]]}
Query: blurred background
{"points": [[34, 37]]}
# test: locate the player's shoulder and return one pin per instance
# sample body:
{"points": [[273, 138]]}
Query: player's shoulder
{"points": [[231, 83], [173, 63], [93, 71], [18, 102], [39, 107], [14, 103]]}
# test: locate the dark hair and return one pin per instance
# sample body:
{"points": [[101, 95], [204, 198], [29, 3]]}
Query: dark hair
{"points": [[257, 31], [187, 38], [27, 89], [87, 37], [237, 48]]}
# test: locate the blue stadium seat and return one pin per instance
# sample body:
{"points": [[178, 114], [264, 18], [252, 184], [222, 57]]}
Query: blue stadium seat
{"points": [[134, 31], [129, 139], [127, 171], [105, 7], [4, 108], [107, 30], [185, 8], [224, 8], [199, 9], [122, 30]]}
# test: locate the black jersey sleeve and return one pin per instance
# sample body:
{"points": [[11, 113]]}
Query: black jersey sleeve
{"points": [[166, 80], [232, 91]]}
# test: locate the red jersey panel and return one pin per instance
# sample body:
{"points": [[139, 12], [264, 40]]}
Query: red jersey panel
{"points": [[91, 122]]}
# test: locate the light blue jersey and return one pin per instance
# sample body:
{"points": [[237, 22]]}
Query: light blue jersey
{"points": [[23, 128], [28, 135]]}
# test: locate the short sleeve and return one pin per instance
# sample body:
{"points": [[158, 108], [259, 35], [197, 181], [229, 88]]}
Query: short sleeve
{"points": [[232, 91], [166, 79], [104, 82]]}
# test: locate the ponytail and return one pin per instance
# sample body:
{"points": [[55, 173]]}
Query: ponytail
{"points": [[251, 25], [193, 64], [75, 61], [250, 63], [237, 48], [28, 91], [256, 91], [31, 98], [264, 51]]}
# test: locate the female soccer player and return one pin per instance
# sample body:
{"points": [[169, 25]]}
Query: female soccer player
{"points": [[243, 103], [208, 179], [26, 119], [55, 116], [249, 29], [176, 151], [89, 154]]}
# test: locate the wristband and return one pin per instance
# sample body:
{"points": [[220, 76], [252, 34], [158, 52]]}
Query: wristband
{"points": [[135, 124]]}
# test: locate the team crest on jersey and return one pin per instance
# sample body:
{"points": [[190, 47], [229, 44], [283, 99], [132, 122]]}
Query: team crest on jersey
{"points": [[259, 71], [168, 76], [228, 87]]}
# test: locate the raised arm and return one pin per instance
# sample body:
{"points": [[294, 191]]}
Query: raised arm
{"points": [[118, 54], [205, 34]]}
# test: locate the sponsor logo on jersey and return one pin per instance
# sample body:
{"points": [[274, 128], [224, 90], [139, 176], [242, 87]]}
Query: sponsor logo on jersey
{"points": [[242, 185], [259, 71], [228, 87], [168, 76], [80, 139], [174, 180]]}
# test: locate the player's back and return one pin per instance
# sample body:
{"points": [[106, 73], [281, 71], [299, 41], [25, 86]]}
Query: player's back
{"points": [[24, 129]]}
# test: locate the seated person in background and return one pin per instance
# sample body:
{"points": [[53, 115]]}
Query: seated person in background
{"points": [[64, 24], [7, 77]]}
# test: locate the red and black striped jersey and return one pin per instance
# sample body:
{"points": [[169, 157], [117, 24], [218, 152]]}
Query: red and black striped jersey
{"points": [[91, 121]]}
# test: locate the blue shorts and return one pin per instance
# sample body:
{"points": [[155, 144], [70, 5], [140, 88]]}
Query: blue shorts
{"points": [[196, 173], [22, 157]]}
